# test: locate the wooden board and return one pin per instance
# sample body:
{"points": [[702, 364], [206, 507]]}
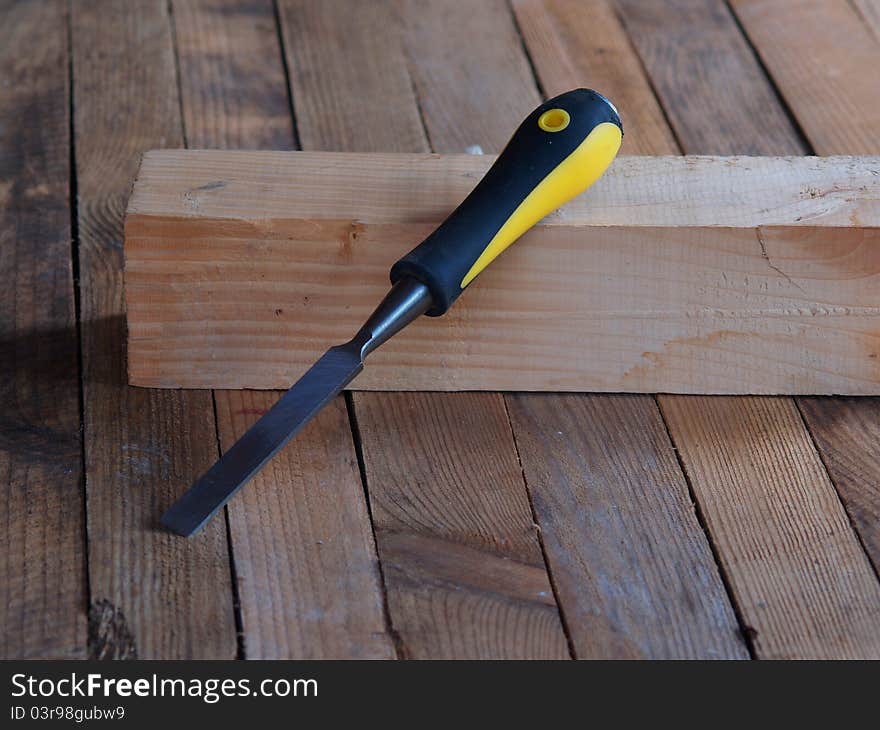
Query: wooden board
{"points": [[761, 282], [153, 595], [714, 94], [304, 553], [847, 431], [232, 83], [370, 105], [445, 608], [42, 571], [459, 548], [305, 561], [634, 572], [473, 81], [800, 576], [831, 86], [468, 69], [764, 605]]}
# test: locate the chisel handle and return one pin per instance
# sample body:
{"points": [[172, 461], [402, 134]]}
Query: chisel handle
{"points": [[560, 149]]}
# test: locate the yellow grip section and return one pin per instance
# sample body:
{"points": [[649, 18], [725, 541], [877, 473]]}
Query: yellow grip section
{"points": [[569, 179]]}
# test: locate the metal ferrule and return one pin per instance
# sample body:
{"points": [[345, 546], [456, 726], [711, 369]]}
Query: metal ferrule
{"points": [[408, 300]]}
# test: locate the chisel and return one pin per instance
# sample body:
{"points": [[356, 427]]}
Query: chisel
{"points": [[558, 151]]}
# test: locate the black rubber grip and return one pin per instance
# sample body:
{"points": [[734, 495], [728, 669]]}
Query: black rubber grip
{"points": [[445, 257]]}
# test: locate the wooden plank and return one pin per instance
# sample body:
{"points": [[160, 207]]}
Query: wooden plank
{"points": [[470, 73], [777, 626], [713, 92], [439, 607], [678, 605], [42, 572], [461, 558], [231, 75], [834, 424], [305, 559], [153, 595], [831, 85], [574, 44], [799, 575], [633, 570], [635, 294], [846, 431], [704, 191], [304, 552], [358, 46]]}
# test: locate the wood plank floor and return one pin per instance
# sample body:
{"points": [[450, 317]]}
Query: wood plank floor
{"points": [[417, 525]]}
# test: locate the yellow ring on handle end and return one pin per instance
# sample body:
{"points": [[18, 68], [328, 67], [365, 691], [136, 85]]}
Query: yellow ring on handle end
{"points": [[554, 120]]}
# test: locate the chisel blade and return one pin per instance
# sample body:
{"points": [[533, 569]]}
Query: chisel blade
{"points": [[322, 382]]}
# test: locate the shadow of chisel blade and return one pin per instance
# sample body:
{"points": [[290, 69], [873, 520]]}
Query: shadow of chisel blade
{"points": [[324, 380]]}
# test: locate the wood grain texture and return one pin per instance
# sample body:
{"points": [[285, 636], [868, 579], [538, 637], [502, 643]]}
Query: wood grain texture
{"points": [[306, 566], [847, 431], [634, 572], [623, 297], [232, 80], [802, 581], [713, 91], [42, 568], [370, 104], [846, 126], [472, 78], [153, 594], [574, 43], [830, 86], [869, 10], [304, 552], [732, 192], [464, 570], [436, 611], [777, 626]]}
